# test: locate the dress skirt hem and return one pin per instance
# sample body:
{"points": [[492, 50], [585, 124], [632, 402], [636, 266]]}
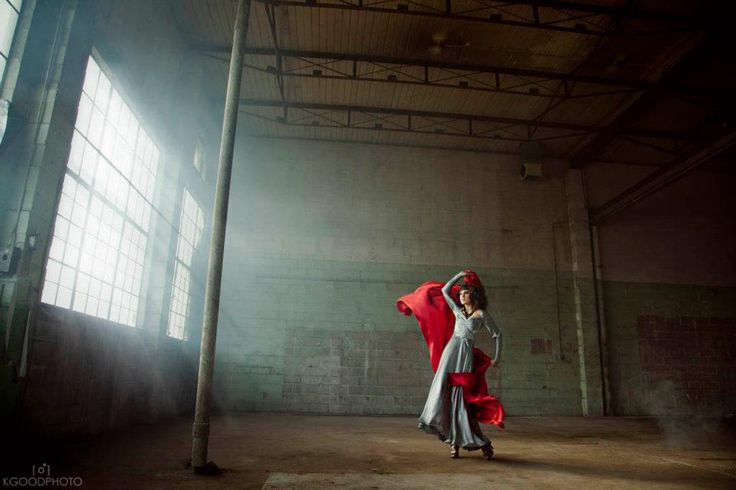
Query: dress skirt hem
{"points": [[430, 429]]}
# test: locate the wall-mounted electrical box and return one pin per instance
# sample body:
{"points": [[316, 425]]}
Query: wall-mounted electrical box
{"points": [[9, 259], [531, 160]]}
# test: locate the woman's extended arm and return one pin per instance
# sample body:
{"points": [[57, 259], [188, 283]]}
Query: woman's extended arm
{"points": [[446, 292], [490, 324]]}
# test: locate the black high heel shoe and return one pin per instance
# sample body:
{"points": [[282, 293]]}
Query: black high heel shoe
{"points": [[487, 451]]}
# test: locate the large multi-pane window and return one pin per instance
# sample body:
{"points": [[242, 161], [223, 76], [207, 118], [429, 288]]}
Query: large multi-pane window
{"points": [[95, 263], [9, 13], [191, 225]]}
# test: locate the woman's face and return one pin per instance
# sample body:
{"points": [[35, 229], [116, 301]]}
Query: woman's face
{"points": [[465, 298]]}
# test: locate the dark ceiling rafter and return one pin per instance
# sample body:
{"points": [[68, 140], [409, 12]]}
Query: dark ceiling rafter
{"points": [[445, 123], [649, 98], [377, 143], [438, 147], [665, 176], [542, 14], [459, 71], [620, 22], [673, 147], [377, 72], [426, 126]]}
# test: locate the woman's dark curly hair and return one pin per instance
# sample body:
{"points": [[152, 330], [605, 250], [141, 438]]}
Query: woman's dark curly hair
{"points": [[477, 296]]}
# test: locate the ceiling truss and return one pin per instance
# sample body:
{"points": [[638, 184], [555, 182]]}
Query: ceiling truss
{"points": [[462, 76], [599, 21], [424, 122], [551, 15], [648, 99], [664, 176]]}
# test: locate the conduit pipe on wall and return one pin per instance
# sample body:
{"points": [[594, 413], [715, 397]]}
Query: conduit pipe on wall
{"points": [[560, 355], [601, 318], [201, 428], [600, 314]]}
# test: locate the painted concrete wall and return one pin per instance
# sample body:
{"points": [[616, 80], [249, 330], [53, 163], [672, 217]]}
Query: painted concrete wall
{"points": [[120, 375], [324, 237], [669, 293]]}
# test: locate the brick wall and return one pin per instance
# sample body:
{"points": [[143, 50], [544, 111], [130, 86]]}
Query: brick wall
{"points": [[324, 237], [667, 258]]}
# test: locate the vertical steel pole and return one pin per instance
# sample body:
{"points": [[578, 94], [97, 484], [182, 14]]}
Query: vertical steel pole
{"points": [[201, 427]]}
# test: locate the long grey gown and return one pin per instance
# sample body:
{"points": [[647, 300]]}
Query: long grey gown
{"points": [[445, 413]]}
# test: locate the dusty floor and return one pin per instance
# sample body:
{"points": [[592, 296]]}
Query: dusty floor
{"points": [[299, 451]]}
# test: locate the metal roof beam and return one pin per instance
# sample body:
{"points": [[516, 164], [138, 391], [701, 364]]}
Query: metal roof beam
{"points": [[580, 129], [537, 16], [542, 75], [271, 16], [661, 178], [644, 103]]}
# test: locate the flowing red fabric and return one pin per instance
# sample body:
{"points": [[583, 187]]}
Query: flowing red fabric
{"points": [[434, 316], [437, 323]]}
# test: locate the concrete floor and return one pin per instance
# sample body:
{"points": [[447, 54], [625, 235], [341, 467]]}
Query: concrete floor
{"points": [[275, 451]]}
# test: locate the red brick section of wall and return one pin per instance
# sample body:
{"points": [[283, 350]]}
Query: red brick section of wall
{"points": [[697, 354], [540, 346]]}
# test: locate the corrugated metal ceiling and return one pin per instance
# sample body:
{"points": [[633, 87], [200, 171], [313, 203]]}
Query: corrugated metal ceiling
{"points": [[346, 98]]}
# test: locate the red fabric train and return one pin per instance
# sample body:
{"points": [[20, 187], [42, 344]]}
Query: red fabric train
{"points": [[437, 323]]}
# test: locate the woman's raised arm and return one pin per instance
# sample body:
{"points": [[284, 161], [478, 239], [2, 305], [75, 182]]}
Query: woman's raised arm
{"points": [[448, 287]]}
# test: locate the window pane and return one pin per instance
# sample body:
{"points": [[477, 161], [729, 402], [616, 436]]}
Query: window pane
{"points": [[64, 297], [84, 113], [91, 77], [179, 302], [49, 293]]}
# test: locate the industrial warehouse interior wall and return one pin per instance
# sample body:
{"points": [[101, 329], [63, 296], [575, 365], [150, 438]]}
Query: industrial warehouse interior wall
{"points": [[669, 293], [324, 237], [74, 374]]}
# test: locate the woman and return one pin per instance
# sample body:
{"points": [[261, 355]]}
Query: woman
{"points": [[446, 412]]}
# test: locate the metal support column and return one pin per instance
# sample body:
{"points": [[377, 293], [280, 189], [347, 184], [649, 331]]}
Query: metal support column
{"points": [[201, 429]]}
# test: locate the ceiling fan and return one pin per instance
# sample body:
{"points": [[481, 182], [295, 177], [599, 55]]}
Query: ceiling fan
{"points": [[445, 43]]}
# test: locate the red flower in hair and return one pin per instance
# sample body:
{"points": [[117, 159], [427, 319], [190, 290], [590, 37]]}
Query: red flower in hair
{"points": [[473, 279]]}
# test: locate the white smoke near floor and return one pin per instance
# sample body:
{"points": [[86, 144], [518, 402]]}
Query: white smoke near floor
{"points": [[682, 421]]}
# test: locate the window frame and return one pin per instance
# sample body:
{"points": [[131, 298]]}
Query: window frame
{"points": [[148, 196], [180, 263]]}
